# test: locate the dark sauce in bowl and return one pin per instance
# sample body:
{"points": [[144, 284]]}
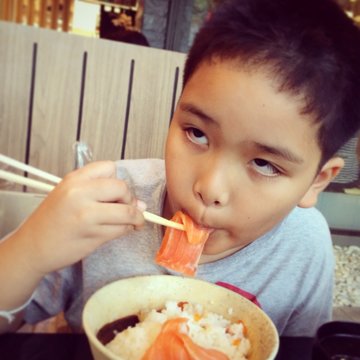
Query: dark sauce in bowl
{"points": [[109, 331]]}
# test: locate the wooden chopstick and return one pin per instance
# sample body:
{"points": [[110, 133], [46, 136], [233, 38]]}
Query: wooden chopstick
{"points": [[30, 169], [156, 219], [18, 179]]}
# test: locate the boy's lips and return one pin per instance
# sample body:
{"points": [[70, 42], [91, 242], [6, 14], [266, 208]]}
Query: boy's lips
{"points": [[201, 224]]}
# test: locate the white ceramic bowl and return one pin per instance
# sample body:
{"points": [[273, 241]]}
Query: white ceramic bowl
{"points": [[126, 297]]}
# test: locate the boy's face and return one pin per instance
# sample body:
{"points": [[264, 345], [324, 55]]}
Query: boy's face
{"points": [[239, 156]]}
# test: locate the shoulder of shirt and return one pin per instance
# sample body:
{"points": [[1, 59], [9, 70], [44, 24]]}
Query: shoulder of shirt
{"points": [[306, 228], [302, 232], [311, 217]]}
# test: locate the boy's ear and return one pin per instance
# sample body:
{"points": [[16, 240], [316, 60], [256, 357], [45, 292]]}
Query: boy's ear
{"points": [[328, 172]]}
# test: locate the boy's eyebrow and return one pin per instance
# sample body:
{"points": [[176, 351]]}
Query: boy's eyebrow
{"points": [[192, 109], [281, 152]]}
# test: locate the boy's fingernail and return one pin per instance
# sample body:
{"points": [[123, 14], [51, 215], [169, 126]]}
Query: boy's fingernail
{"points": [[141, 205]]}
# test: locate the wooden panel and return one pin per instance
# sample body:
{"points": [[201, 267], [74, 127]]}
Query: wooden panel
{"points": [[5, 9], [19, 10], [151, 102], [42, 13], [16, 51], [56, 100], [30, 13], [66, 15], [65, 67], [54, 14], [106, 88]]}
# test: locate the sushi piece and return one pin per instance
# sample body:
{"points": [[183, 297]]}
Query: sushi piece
{"points": [[174, 343], [181, 250]]}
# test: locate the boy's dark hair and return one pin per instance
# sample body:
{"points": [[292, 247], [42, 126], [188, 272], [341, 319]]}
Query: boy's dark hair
{"points": [[311, 48]]}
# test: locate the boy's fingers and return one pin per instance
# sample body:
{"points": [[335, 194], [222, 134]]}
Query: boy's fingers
{"points": [[109, 190], [99, 190], [95, 170], [98, 180], [119, 214], [111, 232]]}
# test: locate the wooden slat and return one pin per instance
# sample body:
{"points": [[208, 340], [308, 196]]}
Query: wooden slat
{"points": [[54, 14], [6, 7], [106, 89], [42, 13], [15, 78], [19, 11], [31, 12], [56, 100], [3, 5], [151, 103], [66, 15]]}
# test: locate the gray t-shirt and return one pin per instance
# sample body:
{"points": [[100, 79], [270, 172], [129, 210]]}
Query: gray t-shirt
{"points": [[288, 271]]}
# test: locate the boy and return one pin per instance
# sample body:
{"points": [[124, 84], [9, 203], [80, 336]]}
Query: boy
{"points": [[269, 96]]}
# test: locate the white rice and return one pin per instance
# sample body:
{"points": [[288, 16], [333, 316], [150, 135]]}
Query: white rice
{"points": [[206, 329]]}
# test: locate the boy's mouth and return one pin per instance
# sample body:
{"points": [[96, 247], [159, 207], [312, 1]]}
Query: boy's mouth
{"points": [[200, 223]]}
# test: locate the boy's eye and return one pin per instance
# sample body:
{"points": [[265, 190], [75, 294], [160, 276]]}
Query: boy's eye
{"points": [[196, 136], [265, 168]]}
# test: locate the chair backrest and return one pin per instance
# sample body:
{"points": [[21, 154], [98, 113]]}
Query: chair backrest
{"points": [[54, 14], [57, 88]]}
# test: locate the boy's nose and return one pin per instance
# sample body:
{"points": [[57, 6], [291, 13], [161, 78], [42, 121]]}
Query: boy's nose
{"points": [[212, 186]]}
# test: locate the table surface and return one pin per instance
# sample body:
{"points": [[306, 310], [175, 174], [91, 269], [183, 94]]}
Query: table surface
{"points": [[76, 347]]}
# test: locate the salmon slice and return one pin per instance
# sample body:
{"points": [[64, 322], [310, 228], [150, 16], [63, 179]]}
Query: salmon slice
{"points": [[181, 250], [173, 344]]}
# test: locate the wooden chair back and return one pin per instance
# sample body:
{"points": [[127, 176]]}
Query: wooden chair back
{"points": [[58, 88]]}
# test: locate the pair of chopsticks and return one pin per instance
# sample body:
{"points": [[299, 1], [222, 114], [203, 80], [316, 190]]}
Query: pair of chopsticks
{"points": [[22, 180]]}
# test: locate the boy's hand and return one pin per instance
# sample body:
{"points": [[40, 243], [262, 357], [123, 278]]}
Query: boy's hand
{"points": [[88, 208]]}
